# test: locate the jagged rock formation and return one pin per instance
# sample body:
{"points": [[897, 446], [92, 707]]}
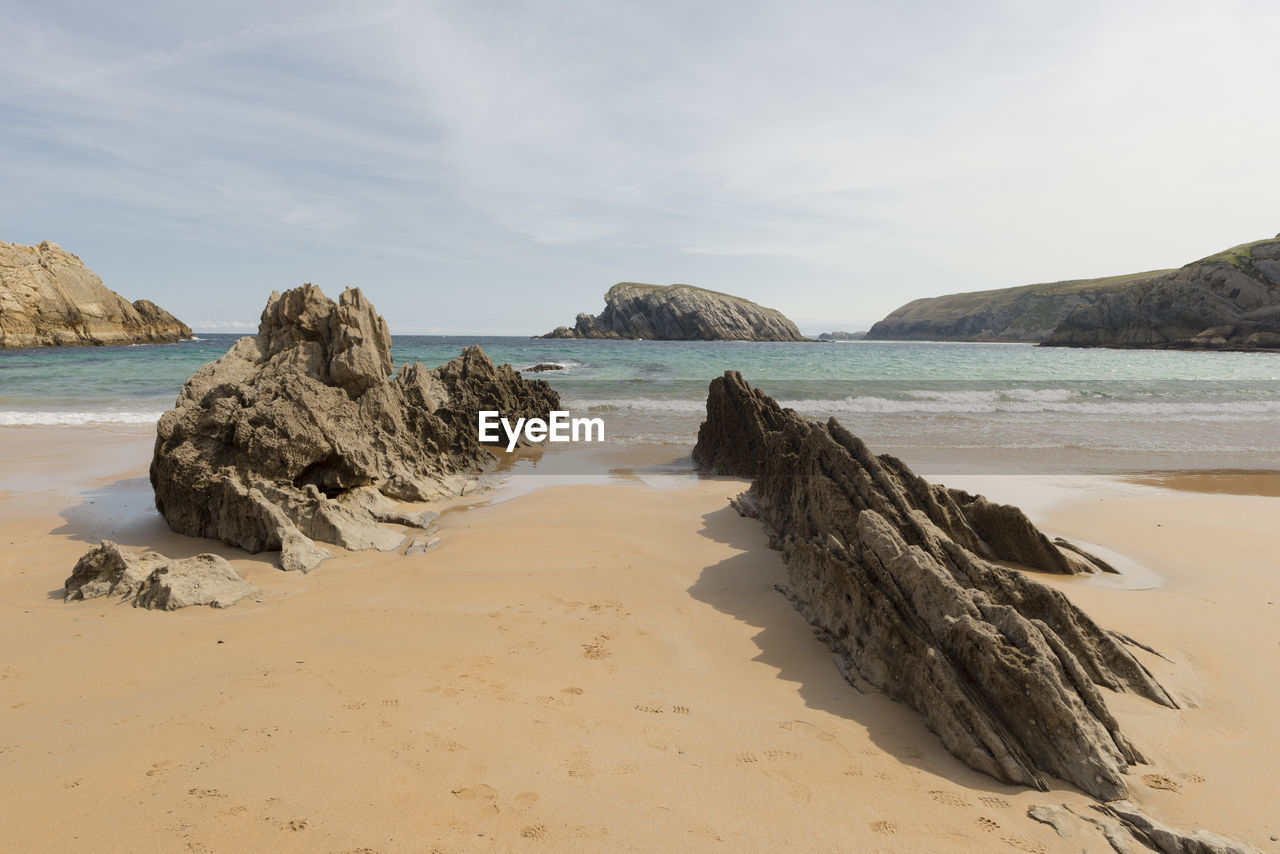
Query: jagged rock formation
{"points": [[151, 580], [1028, 313], [302, 434], [898, 575], [1228, 301], [680, 313], [49, 297], [1125, 827]]}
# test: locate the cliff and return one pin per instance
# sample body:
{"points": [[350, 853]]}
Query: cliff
{"points": [[1228, 301], [1028, 313], [48, 297], [680, 313]]}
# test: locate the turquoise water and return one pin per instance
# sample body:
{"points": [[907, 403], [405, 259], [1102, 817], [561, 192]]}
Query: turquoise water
{"points": [[1203, 409]]}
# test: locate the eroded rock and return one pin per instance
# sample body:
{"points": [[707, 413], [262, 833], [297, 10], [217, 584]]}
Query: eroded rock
{"points": [[679, 313], [48, 297], [151, 580], [899, 576], [301, 433]]}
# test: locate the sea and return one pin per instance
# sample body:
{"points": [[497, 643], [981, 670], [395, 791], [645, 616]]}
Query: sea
{"points": [[1016, 406]]}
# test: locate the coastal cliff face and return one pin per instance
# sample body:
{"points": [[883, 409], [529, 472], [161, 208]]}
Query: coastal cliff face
{"points": [[679, 313], [48, 297], [302, 433], [1029, 313], [1228, 301], [900, 578]]}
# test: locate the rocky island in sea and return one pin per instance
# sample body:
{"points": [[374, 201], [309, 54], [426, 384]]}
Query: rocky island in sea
{"points": [[48, 297], [679, 313], [1227, 301]]}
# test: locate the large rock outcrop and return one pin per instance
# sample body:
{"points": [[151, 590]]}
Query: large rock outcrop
{"points": [[899, 577], [49, 297], [151, 580], [1027, 313], [301, 433], [680, 313], [1228, 301]]}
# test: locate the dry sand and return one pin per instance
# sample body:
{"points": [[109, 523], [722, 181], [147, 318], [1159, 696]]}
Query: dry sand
{"points": [[580, 667]]}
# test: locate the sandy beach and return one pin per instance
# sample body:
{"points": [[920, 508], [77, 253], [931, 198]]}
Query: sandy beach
{"points": [[592, 666]]}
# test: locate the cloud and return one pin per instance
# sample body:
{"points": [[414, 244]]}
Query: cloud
{"points": [[832, 159]]}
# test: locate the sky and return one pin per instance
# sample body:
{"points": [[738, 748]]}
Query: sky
{"points": [[492, 168]]}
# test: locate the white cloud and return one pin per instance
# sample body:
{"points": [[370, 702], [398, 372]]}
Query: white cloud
{"points": [[832, 159]]}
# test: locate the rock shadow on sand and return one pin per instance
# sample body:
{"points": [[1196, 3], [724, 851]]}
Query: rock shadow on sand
{"points": [[743, 587]]}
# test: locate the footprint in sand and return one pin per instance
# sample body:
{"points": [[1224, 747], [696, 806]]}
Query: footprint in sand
{"points": [[595, 648], [1160, 781], [853, 772], [298, 824], [354, 706], [205, 793], [484, 796], [796, 726], [679, 710], [746, 758], [775, 755], [1190, 778], [987, 824], [649, 709], [525, 800], [534, 831], [391, 703], [887, 828], [949, 798], [992, 801], [574, 691], [579, 767], [1023, 844]]}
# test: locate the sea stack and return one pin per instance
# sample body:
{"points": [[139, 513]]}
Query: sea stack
{"points": [[898, 575], [679, 313], [48, 297], [302, 433]]}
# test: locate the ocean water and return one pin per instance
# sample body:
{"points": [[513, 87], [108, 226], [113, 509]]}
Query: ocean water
{"points": [[1092, 409]]}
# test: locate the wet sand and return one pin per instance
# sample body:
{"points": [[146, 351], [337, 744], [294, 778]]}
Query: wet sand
{"points": [[595, 665]]}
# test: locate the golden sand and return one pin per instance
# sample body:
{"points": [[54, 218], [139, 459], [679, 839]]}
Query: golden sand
{"points": [[589, 667]]}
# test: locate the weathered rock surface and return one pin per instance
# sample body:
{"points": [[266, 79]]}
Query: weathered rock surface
{"points": [[302, 434], [680, 313], [842, 336], [898, 575], [1127, 829], [151, 580], [49, 297], [1228, 301], [543, 367], [1027, 313]]}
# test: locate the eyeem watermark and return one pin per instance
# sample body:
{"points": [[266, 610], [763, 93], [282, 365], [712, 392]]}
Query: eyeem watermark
{"points": [[560, 428]]}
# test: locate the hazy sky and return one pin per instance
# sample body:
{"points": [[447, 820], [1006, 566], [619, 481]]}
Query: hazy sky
{"points": [[494, 167]]}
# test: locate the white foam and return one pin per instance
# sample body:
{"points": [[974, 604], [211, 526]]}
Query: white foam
{"points": [[1028, 401], [72, 419]]}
